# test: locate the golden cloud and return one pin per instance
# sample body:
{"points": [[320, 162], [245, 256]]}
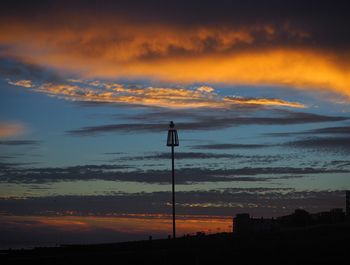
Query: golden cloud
{"points": [[200, 97], [264, 101], [22, 83], [302, 69]]}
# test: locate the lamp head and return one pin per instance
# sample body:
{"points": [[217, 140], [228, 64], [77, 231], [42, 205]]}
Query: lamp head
{"points": [[173, 139]]}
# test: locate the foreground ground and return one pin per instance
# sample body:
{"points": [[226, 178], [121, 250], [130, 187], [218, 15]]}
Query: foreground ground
{"points": [[325, 244]]}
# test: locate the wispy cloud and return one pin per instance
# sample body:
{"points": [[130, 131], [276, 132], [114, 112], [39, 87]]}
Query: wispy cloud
{"points": [[335, 131], [165, 97], [229, 146], [257, 201], [22, 83], [210, 122], [264, 102], [120, 173], [19, 142], [181, 155], [339, 130], [327, 139], [148, 96], [8, 166], [326, 144]]}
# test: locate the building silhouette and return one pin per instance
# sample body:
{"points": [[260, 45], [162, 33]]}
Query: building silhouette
{"points": [[244, 224]]}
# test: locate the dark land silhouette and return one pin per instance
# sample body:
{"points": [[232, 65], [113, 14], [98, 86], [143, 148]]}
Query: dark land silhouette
{"points": [[299, 238]]}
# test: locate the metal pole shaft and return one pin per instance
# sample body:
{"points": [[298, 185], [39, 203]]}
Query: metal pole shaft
{"points": [[173, 188]]}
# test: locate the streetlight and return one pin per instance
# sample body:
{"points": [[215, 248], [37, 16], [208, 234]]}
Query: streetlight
{"points": [[173, 140]]}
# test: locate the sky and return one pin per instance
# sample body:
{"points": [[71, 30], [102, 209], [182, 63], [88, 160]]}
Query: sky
{"points": [[258, 91]]}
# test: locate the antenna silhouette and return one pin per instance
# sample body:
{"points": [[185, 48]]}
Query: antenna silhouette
{"points": [[173, 140]]}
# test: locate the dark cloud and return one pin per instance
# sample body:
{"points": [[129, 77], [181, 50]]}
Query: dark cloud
{"points": [[162, 115], [326, 139], [118, 173], [125, 128], [182, 155], [18, 142], [184, 176], [325, 20], [268, 159], [334, 139], [257, 201], [337, 130], [7, 165], [13, 69], [228, 146], [338, 163], [332, 130], [210, 122], [238, 159], [339, 144]]}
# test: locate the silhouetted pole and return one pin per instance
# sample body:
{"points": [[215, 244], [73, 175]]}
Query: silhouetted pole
{"points": [[173, 188], [173, 141]]}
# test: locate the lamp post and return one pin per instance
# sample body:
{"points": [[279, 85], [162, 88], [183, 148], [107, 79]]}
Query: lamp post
{"points": [[173, 140]]}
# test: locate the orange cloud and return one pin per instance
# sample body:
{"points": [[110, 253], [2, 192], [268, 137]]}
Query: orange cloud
{"points": [[303, 69], [129, 223], [9, 129], [22, 83], [264, 101], [65, 223], [121, 41], [203, 96], [250, 55]]}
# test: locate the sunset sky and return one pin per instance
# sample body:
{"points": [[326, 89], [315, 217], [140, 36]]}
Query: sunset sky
{"points": [[258, 90]]}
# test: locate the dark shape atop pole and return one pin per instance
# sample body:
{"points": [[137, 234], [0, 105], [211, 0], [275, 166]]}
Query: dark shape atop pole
{"points": [[173, 140]]}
